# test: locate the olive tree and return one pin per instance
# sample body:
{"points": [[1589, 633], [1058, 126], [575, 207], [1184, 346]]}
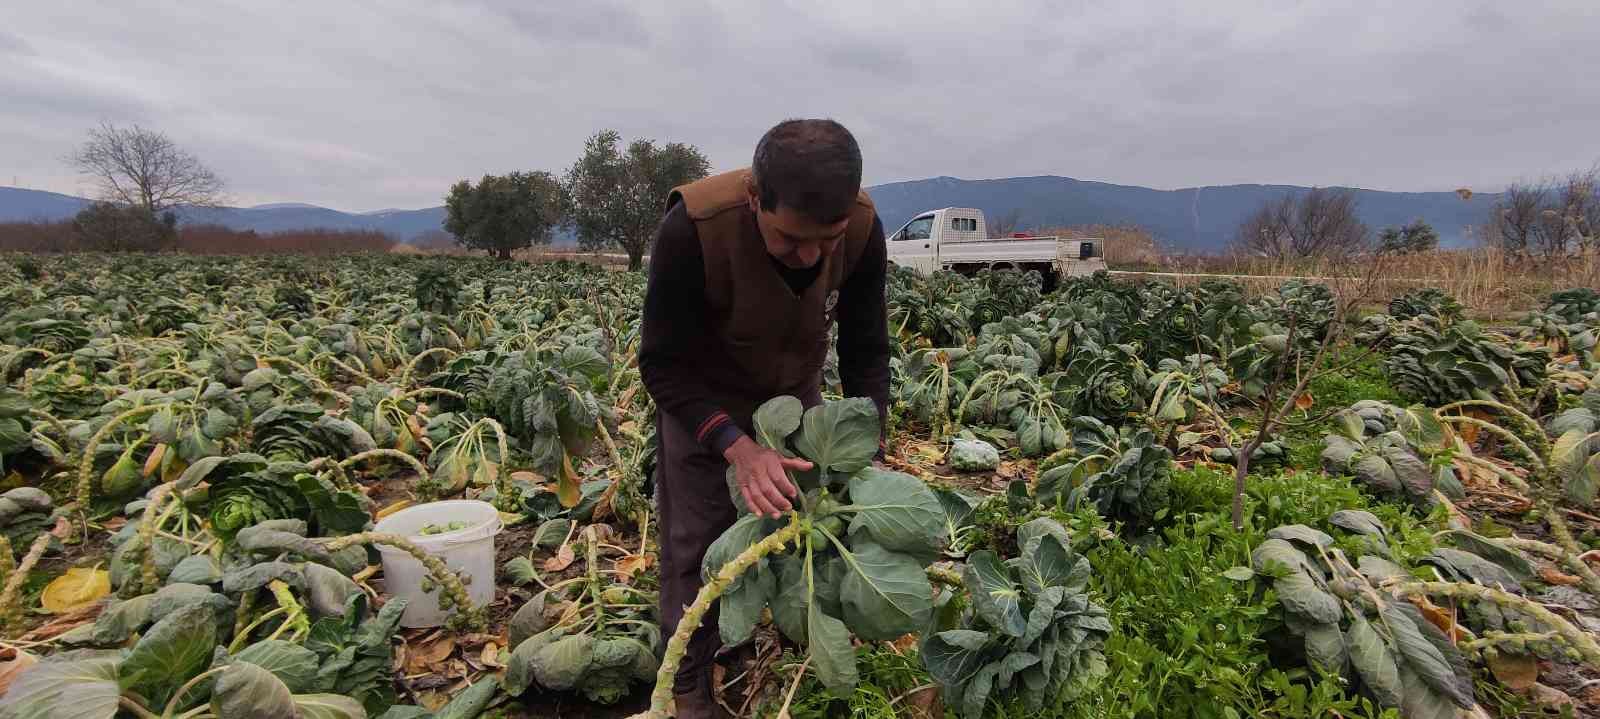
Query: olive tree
{"points": [[504, 212], [112, 227], [1414, 236], [615, 195], [137, 167]]}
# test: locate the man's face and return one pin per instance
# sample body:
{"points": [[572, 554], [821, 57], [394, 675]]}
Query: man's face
{"points": [[796, 240]]}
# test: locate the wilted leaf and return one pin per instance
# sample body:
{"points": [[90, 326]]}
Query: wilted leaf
{"points": [[77, 587], [562, 559], [567, 489], [1518, 672], [632, 565]]}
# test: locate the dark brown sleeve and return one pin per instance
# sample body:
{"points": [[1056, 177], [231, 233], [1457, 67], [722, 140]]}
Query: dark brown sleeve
{"points": [[864, 325], [674, 333]]}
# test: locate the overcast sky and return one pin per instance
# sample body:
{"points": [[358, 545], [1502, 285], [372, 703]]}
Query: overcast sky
{"points": [[365, 105]]}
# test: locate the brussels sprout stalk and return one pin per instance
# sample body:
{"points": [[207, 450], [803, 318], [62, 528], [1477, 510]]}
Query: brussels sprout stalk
{"points": [[9, 613], [695, 613], [452, 593]]}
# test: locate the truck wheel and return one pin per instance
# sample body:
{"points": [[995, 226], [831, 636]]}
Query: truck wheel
{"points": [[1046, 273]]}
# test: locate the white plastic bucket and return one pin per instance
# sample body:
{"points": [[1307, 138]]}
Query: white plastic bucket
{"points": [[470, 550]]}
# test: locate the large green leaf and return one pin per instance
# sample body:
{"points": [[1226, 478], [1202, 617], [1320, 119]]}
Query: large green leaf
{"points": [[1425, 659], [997, 599], [294, 665], [792, 598], [739, 610], [1508, 559], [832, 655], [954, 657], [1325, 648], [1374, 470], [175, 649], [332, 706], [884, 595], [1046, 563], [1582, 486], [247, 691], [561, 664], [840, 436], [1314, 538], [1374, 662], [746, 531], [897, 510], [775, 420], [1299, 594], [78, 684]]}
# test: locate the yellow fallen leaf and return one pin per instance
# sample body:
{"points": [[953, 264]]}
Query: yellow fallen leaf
{"points": [[79, 586], [397, 506]]}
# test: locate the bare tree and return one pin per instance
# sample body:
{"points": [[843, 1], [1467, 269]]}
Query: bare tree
{"points": [[1320, 222], [1548, 217], [1580, 208], [1005, 223], [137, 167]]}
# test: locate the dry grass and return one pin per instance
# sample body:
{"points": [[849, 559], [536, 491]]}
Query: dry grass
{"points": [[1491, 283], [1126, 246]]}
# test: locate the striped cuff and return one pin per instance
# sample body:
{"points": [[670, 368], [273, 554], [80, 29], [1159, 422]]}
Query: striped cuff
{"points": [[717, 432]]}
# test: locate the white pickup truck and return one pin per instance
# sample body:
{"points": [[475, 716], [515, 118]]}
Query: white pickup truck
{"points": [[956, 238]]}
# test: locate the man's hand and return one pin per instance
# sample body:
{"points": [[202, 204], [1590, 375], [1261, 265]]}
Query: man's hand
{"points": [[760, 474]]}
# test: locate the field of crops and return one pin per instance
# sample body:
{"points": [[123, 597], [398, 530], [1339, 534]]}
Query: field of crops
{"points": [[1113, 500]]}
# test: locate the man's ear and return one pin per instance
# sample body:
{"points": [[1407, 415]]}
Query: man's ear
{"points": [[752, 195]]}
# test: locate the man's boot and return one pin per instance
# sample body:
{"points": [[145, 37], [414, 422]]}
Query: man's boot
{"points": [[698, 703]]}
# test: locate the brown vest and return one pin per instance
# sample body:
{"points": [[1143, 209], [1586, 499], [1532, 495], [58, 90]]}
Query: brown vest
{"points": [[768, 341]]}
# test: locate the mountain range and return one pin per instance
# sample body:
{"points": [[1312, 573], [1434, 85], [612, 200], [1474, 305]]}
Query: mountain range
{"points": [[1197, 219]]}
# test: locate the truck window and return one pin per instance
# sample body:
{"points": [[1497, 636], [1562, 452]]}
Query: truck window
{"points": [[964, 224], [1085, 250], [919, 229]]}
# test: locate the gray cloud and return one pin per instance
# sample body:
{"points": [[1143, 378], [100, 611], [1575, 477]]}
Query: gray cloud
{"points": [[366, 105]]}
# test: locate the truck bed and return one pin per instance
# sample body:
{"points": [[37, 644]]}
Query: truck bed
{"points": [[1030, 250]]}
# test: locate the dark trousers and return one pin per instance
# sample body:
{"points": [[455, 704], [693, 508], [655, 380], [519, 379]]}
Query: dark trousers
{"points": [[692, 509]]}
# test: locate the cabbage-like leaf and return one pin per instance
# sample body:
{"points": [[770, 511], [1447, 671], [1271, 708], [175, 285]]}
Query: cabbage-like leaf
{"points": [[1371, 657], [79, 684], [775, 420], [294, 665], [1325, 648], [561, 664], [840, 437], [884, 595], [247, 691], [897, 510], [832, 654], [996, 597], [333, 706], [174, 650]]}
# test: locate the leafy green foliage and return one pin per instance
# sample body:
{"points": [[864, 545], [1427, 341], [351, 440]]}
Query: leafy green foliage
{"points": [[860, 567], [502, 213], [1031, 632]]}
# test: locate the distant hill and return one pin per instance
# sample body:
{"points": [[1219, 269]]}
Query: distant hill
{"points": [[1195, 218]]}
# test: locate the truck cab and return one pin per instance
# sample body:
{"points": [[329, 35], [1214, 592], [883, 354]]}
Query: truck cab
{"points": [[956, 238]]}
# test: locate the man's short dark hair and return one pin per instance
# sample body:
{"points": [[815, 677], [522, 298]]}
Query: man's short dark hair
{"points": [[811, 166]]}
